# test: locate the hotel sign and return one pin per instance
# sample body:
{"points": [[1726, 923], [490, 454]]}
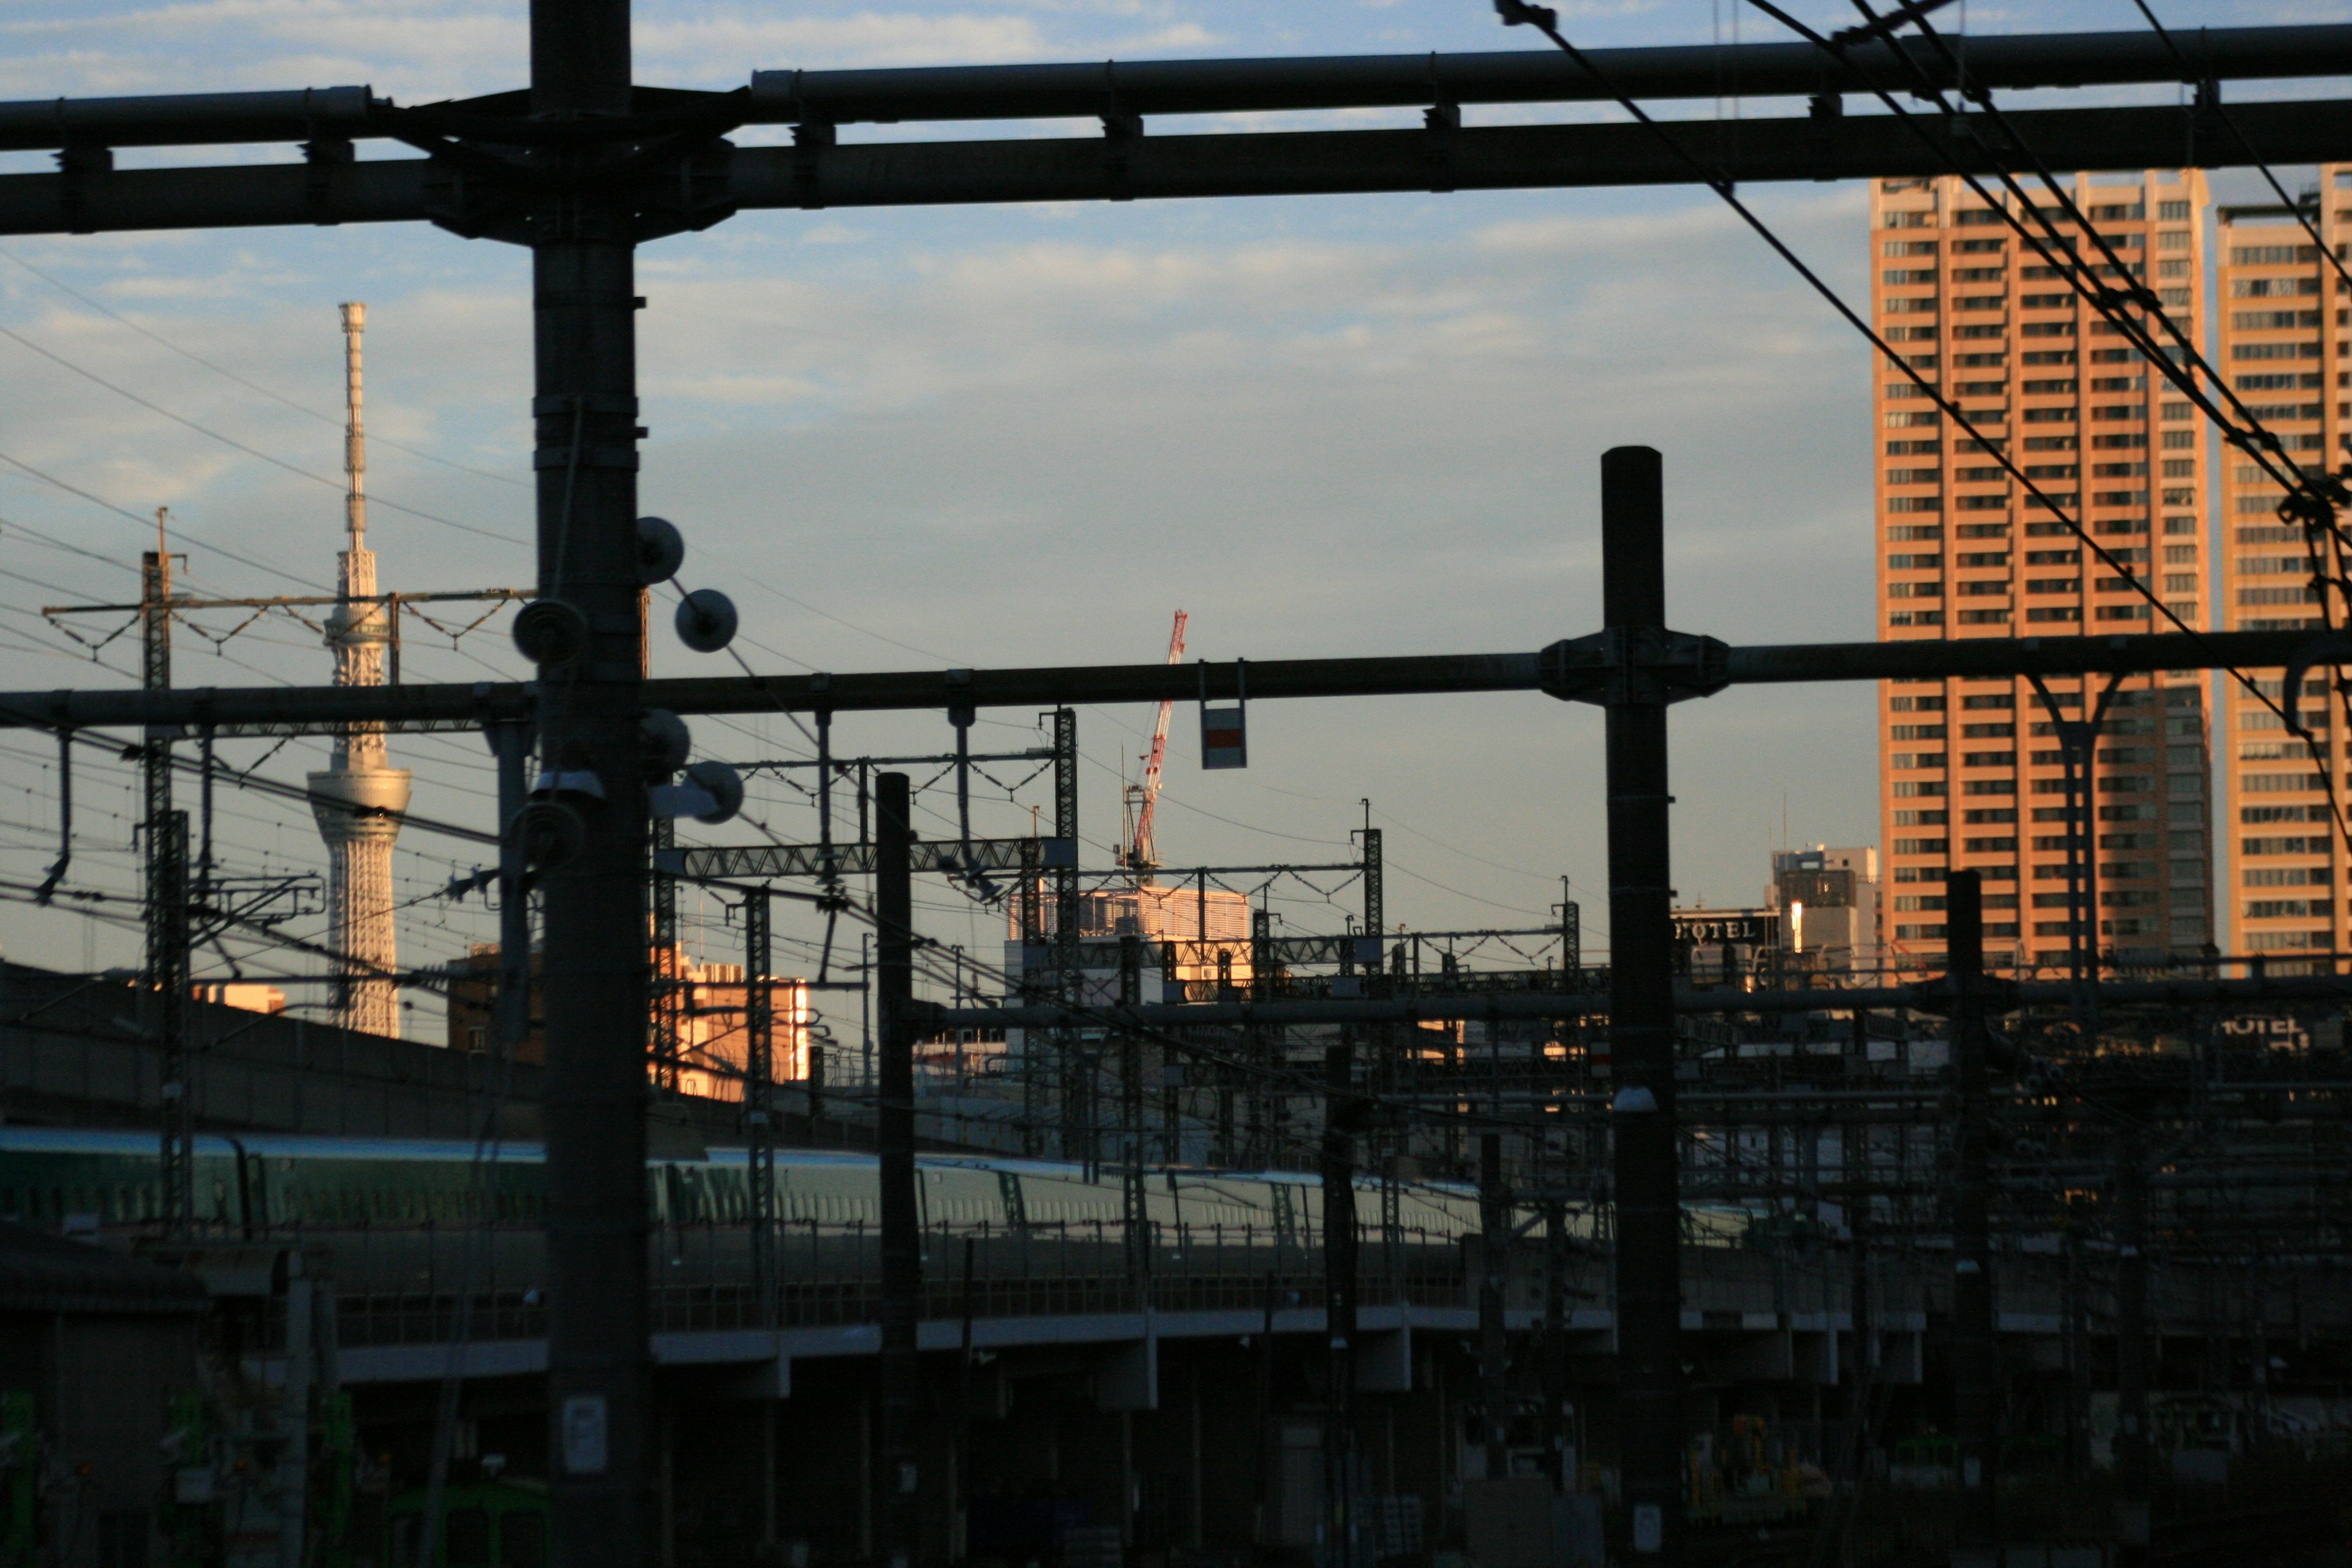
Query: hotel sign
{"points": [[1717, 928]]}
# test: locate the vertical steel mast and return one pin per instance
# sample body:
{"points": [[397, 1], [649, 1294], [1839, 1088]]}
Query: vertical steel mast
{"points": [[167, 903], [582, 229], [357, 798]]}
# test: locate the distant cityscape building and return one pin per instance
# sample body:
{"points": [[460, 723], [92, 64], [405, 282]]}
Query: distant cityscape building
{"points": [[249, 995], [713, 1041], [2285, 350], [1205, 931], [1828, 903], [358, 799], [1970, 771]]}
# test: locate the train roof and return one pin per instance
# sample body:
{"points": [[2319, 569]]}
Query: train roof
{"points": [[136, 1142]]}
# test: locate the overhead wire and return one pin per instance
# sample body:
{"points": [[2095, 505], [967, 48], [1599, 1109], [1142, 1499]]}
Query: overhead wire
{"points": [[374, 437], [1546, 21], [251, 451], [2180, 367]]}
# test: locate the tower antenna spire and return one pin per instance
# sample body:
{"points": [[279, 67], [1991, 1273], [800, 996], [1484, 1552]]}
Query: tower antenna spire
{"points": [[358, 798], [355, 428]]}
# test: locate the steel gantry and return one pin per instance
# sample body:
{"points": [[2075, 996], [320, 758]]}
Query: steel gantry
{"points": [[584, 165]]}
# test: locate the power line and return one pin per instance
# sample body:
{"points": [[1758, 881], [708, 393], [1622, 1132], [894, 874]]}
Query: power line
{"points": [[149, 522], [230, 441], [2112, 305], [374, 437]]}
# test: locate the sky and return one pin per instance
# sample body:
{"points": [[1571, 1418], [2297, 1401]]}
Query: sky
{"points": [[1022, 435]]}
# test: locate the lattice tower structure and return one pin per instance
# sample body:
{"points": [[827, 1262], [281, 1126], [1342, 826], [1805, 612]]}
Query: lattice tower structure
{"points": [[358, 799]]}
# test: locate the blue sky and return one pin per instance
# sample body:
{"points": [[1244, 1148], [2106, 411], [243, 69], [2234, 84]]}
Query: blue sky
{"points": [[998, 436]]}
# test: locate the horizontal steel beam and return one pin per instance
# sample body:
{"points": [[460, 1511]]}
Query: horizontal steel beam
{"points": [[742, 861], [1137, 168], [1526, 76], [190, 118], [280, 710], [1309, 162], [1229, 86]]}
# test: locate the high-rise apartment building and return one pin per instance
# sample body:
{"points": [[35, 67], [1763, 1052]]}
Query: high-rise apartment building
{"points": [[2283, 345], [1973, 770]]}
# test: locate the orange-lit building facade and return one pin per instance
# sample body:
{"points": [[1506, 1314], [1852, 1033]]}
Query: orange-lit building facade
{"points": [[2283, 345], [710, 1020], [1970, 771]]}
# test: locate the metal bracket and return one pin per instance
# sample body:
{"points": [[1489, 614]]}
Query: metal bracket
{"points": [[1628, 663], [2335, 648]]}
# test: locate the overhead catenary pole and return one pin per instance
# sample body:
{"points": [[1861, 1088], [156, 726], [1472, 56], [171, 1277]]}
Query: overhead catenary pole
{"points": [[166, 845], [597, 997], [1340, 1281], [758, 1099], [510, 1022], [1862, 1364], [1641, 1006], [1494, 1348], [1073, 1080], [2132, 1445], [894, 1139], [1974, 1395]]}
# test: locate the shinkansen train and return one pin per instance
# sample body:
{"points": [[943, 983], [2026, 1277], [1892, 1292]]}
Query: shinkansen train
{"points": [[260, 1183]]}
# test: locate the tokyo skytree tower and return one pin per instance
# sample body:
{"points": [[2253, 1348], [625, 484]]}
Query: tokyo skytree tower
{"points": [[357, 799]]}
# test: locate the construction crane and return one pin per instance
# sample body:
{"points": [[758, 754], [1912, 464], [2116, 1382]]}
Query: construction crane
{"points": [[1144, 799]]}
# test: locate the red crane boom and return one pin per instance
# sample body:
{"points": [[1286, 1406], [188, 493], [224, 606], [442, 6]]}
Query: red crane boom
{"points": [[1139, 854]]}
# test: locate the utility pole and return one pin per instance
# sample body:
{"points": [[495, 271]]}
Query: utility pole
{"points": [[1642, 1005], [1264, 1049], [1494, 1264], [168, 963], [510, 1023], [759, 1098], [1974, 1371], [2078, 741], [1854, 1153], [1340, 1287], [2131, 1443], [1031, 916], [1555, 1334], [582, 234], [1137, 1225], [1074, 1080], [669, 960], [894, 1137]]}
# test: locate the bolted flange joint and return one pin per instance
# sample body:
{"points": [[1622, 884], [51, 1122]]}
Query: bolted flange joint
{"points": [[1635, 664]]}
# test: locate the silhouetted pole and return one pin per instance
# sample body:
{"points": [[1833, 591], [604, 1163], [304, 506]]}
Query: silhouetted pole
{"points": [[1340, 1277], [1974, 1371], [902, 1266], [595, 965], [1641, 1007], [2131, 1446], [1494, 1348]]}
